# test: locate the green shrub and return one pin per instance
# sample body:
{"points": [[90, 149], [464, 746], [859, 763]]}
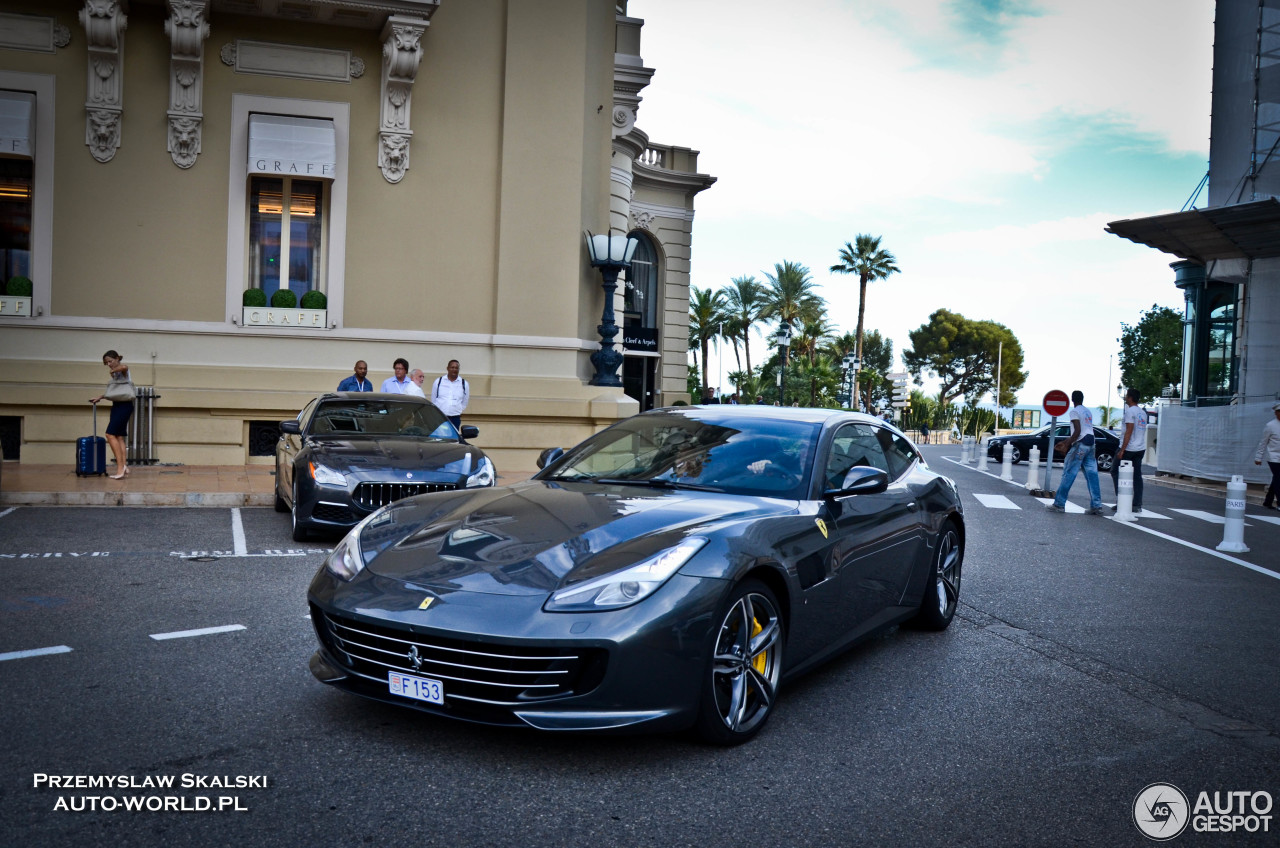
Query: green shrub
{"points": [[255, 297], [284, 299], [313, 300], [18, 287]]}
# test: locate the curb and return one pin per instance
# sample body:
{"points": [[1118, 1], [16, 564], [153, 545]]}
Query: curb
{"points": [[179, 499]]}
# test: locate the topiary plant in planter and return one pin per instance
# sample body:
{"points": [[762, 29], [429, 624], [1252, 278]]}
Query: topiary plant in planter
{"points": [[313, 300], [284, 299], [255, 297], [18, 287]]}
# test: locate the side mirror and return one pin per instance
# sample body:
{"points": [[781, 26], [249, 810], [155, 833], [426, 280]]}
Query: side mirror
{"points": [[549, 456], [861, 480], [470, 432], [291, 427]]}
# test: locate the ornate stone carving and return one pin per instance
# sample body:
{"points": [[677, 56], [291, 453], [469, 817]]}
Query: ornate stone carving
{"points": [[104, 24], [187, 31], [357, 67], [61, 35], [228, 54], [401, 56], [643, 220]]}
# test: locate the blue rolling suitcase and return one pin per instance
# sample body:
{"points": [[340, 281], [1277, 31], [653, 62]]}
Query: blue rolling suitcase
{"points": [[91, 452]]}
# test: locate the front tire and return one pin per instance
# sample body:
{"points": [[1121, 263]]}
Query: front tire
{"points": [[300, 532], [942, 594], [1017, 455], [745, 664], [281, 504], [1105, 461]]}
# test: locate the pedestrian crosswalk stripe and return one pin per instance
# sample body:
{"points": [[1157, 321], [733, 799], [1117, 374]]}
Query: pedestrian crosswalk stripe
{"points": [[1266, 518], [996, 502], [1070, 507], [1207, 516]]}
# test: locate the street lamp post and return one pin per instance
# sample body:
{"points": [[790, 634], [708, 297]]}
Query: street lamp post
{"points": [[851, 366], [609, 254], [783, 339]]}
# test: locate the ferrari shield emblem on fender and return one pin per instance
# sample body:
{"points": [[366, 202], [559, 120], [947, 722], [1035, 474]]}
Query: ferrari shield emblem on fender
{"points": [[822, 525], [427, 601]]}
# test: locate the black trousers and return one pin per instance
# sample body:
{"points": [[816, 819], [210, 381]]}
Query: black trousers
{"points": [[1273, 492], [1136, 458]]}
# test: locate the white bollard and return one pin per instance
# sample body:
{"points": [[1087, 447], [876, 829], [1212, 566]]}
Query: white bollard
{"points": [[964, 450], [968, 459], [982, 458], [1006, 466], [1033, 469], [1233, 529], [1124, 493]]}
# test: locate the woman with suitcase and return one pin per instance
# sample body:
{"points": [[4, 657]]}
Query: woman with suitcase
{"points": [[120, 393]]}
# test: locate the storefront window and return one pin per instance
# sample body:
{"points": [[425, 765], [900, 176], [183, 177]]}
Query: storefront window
{"points": [[277, 207], [16, 183]]}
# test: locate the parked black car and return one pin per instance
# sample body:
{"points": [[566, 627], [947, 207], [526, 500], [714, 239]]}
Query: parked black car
{"points": [[670, 571], [1105, 445], [349, 453]]}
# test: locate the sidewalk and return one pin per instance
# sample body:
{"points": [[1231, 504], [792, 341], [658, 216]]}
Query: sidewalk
{"points": [[149, 485]]}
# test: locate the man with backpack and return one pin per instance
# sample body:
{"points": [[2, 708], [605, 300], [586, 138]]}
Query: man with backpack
{"points": [[451, 393]]}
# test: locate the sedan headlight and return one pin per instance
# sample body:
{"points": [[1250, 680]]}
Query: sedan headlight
{"points": [[326, 476], [483, 475], [626, 587], [347, 559]]}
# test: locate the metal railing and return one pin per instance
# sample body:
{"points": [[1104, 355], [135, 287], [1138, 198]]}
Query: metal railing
{"points": [[142, 442]]}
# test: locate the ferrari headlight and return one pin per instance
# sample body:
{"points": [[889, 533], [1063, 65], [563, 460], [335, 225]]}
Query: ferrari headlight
{"points": [[625, 587], [326, 476], [347, 559], [483, 475]]}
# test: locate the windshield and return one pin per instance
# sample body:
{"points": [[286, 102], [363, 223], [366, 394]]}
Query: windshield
{"points": [[381, 418], [739, 455]]}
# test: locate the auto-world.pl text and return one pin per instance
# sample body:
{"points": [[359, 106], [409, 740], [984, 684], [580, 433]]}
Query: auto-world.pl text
{"points": [[149, 802]]}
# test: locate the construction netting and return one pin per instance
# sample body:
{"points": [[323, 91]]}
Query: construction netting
{"points": [[1214, 442]]}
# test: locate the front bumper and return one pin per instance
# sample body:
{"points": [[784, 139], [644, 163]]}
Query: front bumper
{"points": [[641, 667]]}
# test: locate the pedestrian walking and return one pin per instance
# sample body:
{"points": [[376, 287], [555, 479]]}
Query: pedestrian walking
{"points": [[120, 393], [924, 433], [1269, 450], [451, 393], [1133, 446], [1079, 454]]}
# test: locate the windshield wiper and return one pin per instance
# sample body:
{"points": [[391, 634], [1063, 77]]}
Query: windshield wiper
{"points": [[652, 483]]}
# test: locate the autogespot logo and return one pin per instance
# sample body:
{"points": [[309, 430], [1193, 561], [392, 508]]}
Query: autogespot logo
{"points": [[1160, 811]]}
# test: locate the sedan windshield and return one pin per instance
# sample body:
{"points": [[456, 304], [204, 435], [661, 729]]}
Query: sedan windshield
{"points": [[380, 418], [739, 455]]}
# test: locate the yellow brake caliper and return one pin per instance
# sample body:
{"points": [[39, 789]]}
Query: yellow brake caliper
{"points": [[759, 659]]}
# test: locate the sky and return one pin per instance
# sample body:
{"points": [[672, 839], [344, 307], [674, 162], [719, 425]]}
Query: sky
{"points": [[987, 142]]}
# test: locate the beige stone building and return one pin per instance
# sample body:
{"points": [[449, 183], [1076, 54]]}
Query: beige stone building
{"points": [[428, 166]]}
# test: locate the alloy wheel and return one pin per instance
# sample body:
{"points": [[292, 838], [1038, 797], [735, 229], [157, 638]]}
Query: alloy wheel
{"points": [[948, 573], [747, 663]]}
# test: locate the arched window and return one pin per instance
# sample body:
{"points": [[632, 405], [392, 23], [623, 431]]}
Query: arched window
{"points": [[641, 299]]}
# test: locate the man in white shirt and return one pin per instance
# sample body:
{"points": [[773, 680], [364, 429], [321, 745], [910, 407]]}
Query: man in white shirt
{"points": [[1269, 449], [1079, 453], [1133, 446], [415, 383], [399, 384], [451, 393]]}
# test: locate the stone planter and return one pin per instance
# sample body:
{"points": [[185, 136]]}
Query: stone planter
{"points": [[270, 316], [15, 307]]}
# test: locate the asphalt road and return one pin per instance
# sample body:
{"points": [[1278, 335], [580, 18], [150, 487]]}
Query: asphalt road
{"points": [[1089, 659]]}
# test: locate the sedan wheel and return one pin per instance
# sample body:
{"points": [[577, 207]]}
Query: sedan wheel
{"points": [[744, 667], [1017, 454], [1105, 459], [942, 595], [300, 533], [281, 505]]}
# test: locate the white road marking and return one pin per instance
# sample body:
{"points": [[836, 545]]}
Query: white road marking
{"points": [[996, 502], [237, 533], [1266, 518], [37, 652], [1206, 516], [1208, 551], [1070, 507], [182, 634], [7, 511]]}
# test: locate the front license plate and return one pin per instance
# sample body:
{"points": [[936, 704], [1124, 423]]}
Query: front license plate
{"points": [[418, 688]]}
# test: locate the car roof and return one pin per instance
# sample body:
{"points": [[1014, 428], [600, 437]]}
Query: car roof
{"points": [[371, 396], [811, 415]]}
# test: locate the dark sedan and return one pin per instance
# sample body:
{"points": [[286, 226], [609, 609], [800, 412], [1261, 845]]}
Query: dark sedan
{"points": [[669, 572], [349, 453], [1105, 444]]}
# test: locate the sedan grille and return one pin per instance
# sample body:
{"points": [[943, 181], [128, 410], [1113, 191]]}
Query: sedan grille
{"points": [[483, 673], [373, 495]]}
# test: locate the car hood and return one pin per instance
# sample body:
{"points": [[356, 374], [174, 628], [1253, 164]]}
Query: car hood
{"points": [[369, 455], [530, 538]]}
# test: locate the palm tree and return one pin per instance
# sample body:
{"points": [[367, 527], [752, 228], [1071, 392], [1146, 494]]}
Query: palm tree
{"points": [[864, 258], [813, 336], [706, 314], [744, 300], [791, 297]]}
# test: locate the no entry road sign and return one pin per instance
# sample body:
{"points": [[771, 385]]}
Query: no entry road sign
{"points": [[1057, 403]]}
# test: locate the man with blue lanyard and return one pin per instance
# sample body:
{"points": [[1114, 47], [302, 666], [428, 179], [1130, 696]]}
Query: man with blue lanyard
{"points": [[1079, 452], [357, 382]]}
